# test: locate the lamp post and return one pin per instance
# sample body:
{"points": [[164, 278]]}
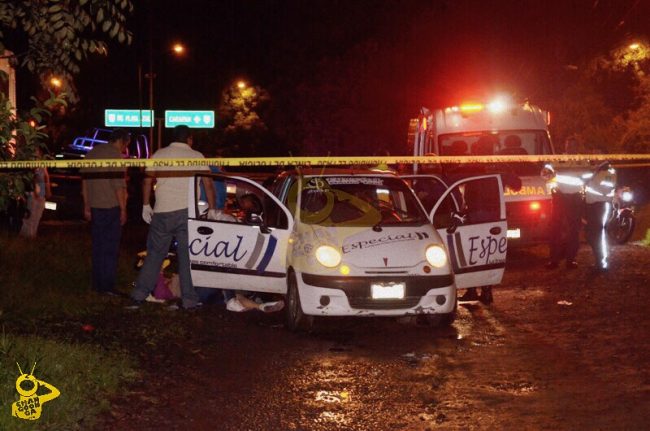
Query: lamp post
{"points": [[177, 49]]}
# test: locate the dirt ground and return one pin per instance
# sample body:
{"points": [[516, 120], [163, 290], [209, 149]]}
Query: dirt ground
{"points": [[558, 350]]}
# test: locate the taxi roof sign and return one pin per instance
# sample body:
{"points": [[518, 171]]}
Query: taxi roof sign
{"points": [[192, 119], [128, 118]]}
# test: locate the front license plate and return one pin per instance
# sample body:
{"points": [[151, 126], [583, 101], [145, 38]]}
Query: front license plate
{"points": [[514, 233], [387, 291]]}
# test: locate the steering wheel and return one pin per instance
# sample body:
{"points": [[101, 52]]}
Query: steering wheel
{"points": [[388, 211]]}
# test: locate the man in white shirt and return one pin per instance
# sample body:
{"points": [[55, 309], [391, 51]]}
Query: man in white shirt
{"points": [[168, 219]]}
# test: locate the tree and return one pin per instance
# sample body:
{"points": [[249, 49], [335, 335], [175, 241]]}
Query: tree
{"points": [[49, 38], [607, 105], [241, 113]]}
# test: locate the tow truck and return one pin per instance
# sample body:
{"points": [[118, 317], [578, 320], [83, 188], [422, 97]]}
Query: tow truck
{"points": [[497, 127]]}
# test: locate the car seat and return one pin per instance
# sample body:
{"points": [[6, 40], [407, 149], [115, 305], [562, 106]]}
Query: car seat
{"points": [[512, 146]]}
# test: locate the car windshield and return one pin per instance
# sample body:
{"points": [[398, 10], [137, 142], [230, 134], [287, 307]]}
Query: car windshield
{"points": [[359, 201]]}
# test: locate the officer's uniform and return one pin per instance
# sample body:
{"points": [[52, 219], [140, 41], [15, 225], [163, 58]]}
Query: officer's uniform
{"points": [[599, 191], [564, 227]]}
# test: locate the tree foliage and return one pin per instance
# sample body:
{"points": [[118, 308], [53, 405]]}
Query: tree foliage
{"points": [[54, 36], [607, 106], [241, 114], [48, 37]]}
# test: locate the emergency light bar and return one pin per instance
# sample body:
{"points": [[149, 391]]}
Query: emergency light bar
{"points": [[471, 107]]}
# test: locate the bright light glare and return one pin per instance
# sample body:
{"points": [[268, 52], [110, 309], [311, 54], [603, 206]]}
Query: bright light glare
{"points": [[328, 256], [471, 107], [627, 196], [241, 85], [56, 82], [497, 106], [178, 48], [436, 256], [634, 46], [535, 206]]}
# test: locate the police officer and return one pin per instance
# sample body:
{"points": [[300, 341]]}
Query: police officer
{"points": [[599, 191], [564, 226]]}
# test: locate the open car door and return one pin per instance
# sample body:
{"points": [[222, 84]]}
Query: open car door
{"points": [[246, 248], [471, 218], [428, 189]]}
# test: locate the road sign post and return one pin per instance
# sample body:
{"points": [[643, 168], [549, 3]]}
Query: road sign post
{"points": [[128, 118], [192, 119]]}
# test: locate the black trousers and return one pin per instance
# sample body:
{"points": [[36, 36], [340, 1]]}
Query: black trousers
{"points": [[596, 215], [564, 226]]}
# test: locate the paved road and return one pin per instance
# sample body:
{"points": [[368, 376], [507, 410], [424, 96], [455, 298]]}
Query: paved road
{"points": [[561, 350]]}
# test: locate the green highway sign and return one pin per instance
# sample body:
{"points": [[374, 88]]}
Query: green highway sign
{"points": [[194, 119], [128, 118]]}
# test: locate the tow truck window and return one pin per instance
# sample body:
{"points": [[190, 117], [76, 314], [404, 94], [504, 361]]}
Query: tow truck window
{"points": [[504, 142]]}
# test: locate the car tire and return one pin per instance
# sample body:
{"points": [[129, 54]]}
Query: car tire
{"points": [[296, 320], [443, 320]]}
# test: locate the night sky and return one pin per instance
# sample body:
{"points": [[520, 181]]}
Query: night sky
{"points": [[415, 53]]}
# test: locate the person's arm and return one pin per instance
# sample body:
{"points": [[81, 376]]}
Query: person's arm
{"points": [[121, 195], [210, 192], [147, 211], [147, 184], [84, 194]]}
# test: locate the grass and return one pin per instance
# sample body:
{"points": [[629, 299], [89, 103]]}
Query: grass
{"points": [[51, 275], [45, 294], [84, 374]]}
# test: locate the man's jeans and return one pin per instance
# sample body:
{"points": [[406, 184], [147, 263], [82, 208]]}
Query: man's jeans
{"points": [[163, 228], [106, 231]]}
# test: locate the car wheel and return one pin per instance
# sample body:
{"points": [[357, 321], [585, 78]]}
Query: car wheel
{"points": [[443, 320], [296, 319]]}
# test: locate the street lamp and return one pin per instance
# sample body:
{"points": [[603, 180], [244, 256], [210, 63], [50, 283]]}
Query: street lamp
{"points": [[241, 85], [177, 49], [56, 82]]}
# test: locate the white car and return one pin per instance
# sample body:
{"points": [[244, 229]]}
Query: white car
{"points": [[343, 243]]}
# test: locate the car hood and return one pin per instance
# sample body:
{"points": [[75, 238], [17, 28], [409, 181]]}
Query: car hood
{"points": [[392, 247]]}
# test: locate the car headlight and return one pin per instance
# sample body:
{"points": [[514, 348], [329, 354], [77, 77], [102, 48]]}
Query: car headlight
{"points": [[328, 256], [436, 256]]}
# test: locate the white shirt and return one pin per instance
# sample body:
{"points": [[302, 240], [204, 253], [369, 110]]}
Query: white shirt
{"points": [[173, 183]]}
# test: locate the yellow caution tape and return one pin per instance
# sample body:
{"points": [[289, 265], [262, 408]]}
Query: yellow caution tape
{"points": [[312, 161]]}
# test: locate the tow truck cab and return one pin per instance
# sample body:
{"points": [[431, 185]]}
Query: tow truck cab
{"points": [[500, 127]]}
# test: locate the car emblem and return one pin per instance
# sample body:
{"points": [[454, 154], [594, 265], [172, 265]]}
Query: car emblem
{"points": [[385, 261]]}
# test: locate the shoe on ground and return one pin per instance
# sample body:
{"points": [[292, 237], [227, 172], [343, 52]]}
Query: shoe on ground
{"points": [[152, 298], [234, 305], [600, 268], [270, 307], [134, 305], [571, 264], [175, 307], [470, 295], [110, 293], [551, 265], [486, 295], [193, 307]]}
